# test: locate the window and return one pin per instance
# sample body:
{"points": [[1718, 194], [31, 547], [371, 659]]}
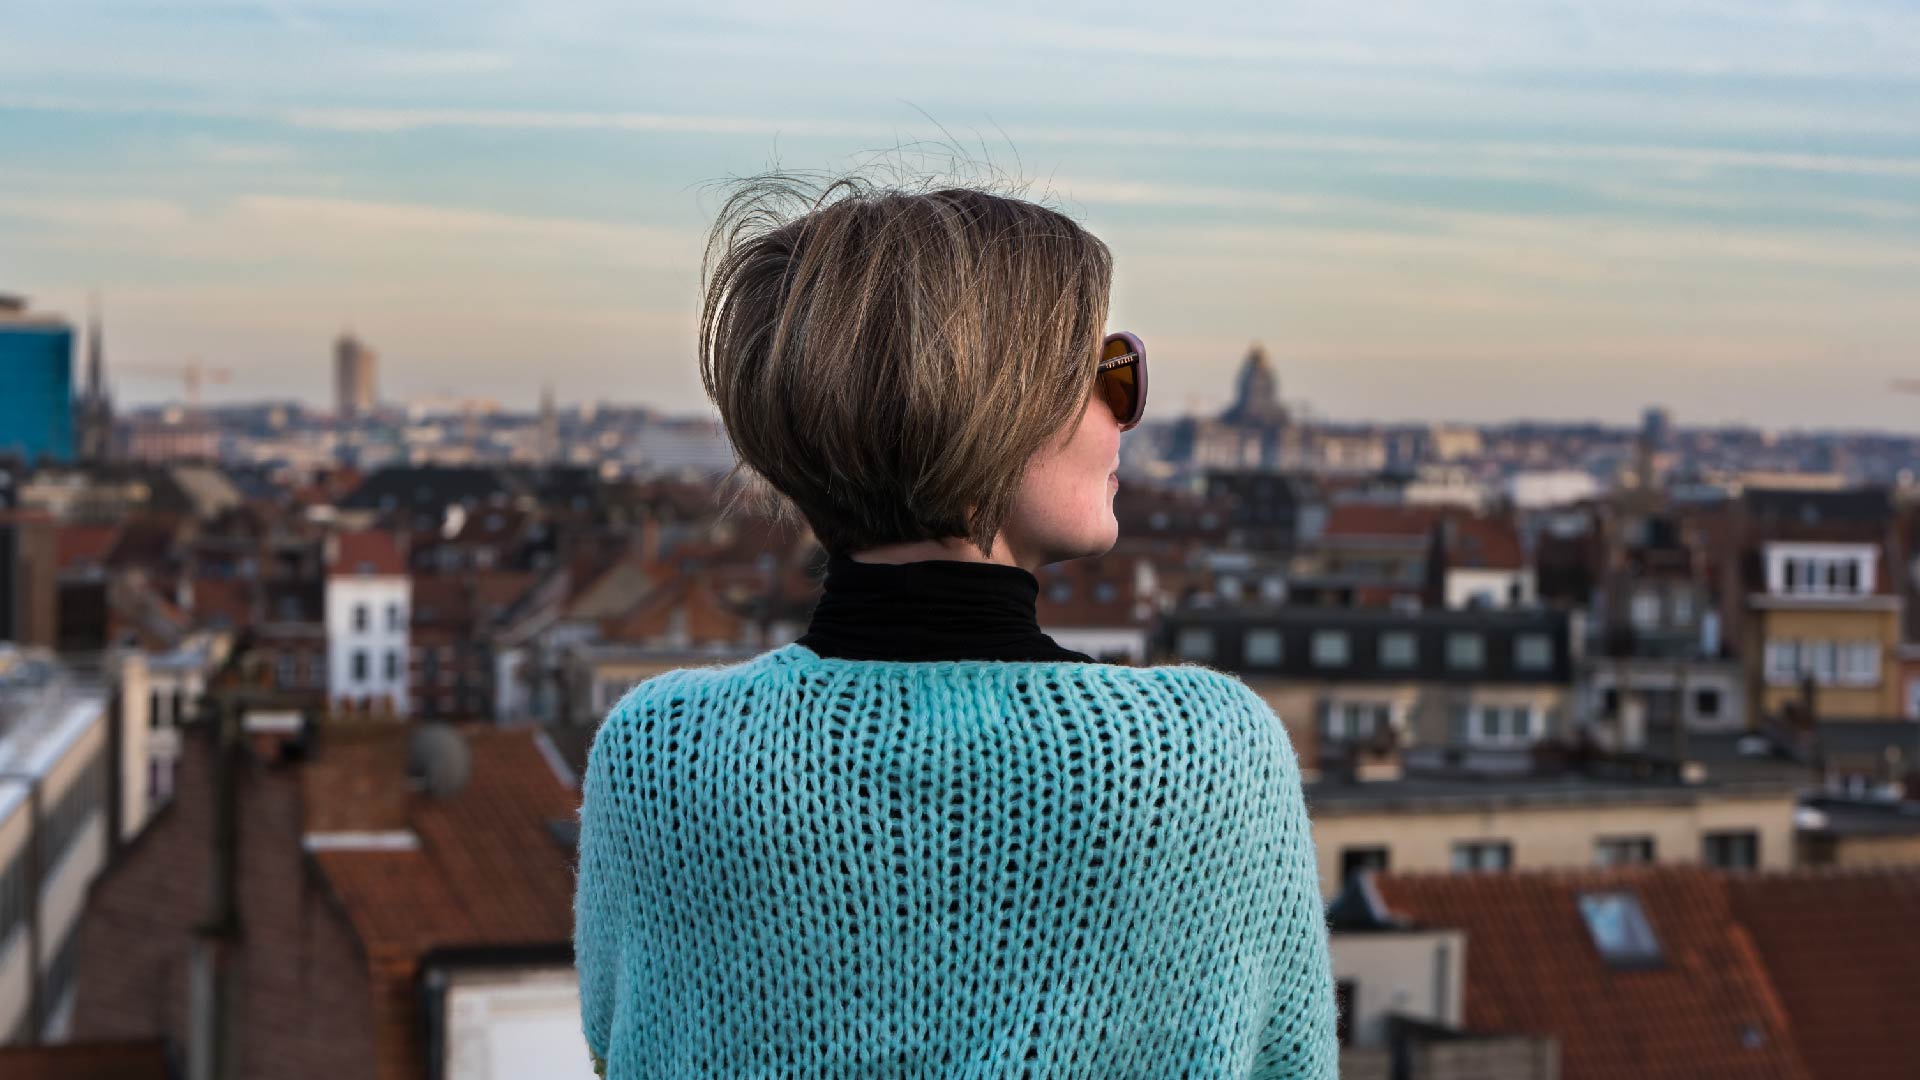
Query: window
{"points": [[1104, 592], [1622, 850], [393, 617], [1354, 860], [1506, 725], [1399, 649], [1469, 855], [1466, 651], [1783, 661], [359, 616], [1356, 720], [286, 672], [393, 664], [1860, 663], [1060, 592], [359, 665], [1195, 643], [1731, 850], [1263, 647], [1620, 929], [1824, 575], [1682, 601], [1706, 704], [1532, 652], [1646, 609], [1330, 648], [1816, 658]]}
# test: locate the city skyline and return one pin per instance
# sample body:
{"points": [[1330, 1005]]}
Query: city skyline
{"points": [[1451, 212]]}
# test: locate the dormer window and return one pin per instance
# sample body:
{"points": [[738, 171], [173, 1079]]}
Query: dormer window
{"points": [[1795, 569]]}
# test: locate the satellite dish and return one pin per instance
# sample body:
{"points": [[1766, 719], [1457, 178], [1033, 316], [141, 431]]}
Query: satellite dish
{"points": [[438, 756]]}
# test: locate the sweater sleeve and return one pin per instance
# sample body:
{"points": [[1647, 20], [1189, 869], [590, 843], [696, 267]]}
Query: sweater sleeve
{"points": [[1300, 1041], [598, 925]]}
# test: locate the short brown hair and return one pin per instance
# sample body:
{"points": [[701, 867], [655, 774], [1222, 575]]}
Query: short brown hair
{"points": [[887, 359]]}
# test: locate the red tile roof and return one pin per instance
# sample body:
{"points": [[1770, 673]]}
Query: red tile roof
{"points": [[1840, 947], [297, 969], [218, 599], [708, 617], [1532, 968], [1373, 519], [81, 546], [329, 962], [487, 871], [1488, 543], [1481, 541], [372, 551]]}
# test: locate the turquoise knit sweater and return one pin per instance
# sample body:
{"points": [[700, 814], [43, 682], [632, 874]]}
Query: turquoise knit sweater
{"points": [[812, 867]]}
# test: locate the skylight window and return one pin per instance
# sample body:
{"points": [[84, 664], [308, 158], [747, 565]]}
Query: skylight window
{"points": [[1620, 929]]}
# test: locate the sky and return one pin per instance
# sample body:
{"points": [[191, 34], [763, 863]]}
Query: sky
{"points": [[1426, 210]]}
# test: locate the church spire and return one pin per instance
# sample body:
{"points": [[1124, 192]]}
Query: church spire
{"points": [[96, 350]]}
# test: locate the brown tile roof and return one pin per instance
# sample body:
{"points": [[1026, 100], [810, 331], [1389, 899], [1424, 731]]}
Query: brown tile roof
{"points": [[1840, 947], [370, 551], [1491, 543], [488, 870], [83, 546], [227, 600], [709, 618], [298, 969], [139, 1059], [358, 781], [1372, 519], [329, 962], [1532, 968]]}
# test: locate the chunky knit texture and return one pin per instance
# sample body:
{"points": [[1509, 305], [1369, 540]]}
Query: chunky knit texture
{"points": [[797, 866]]}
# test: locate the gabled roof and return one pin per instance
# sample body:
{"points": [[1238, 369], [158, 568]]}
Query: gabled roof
{"points": [[82, 547], [485, 869], [1533, 967], [370, 551], [1841, 949]]}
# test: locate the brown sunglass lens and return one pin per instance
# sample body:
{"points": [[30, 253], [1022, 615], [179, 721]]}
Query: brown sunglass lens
{"points": [[1121, 390], [1120, 385]]}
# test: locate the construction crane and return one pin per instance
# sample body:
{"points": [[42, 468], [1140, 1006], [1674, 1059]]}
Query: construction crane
{"points": [[191, 374]]}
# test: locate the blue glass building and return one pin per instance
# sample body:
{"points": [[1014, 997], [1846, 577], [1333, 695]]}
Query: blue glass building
{"points": [[36, 383]]}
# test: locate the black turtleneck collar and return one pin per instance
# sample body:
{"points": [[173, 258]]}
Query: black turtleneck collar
{"points": [[935, 609]]}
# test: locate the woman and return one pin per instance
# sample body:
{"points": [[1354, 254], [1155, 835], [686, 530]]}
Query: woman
{"points": [[924, 839]]}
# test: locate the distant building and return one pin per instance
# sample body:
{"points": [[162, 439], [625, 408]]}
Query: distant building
{"points": [[1341, 676], [1432, 810], [368, 601], [29, 600], [56, 832], [1824, 606], [353, 377], [36, 367], [93, 410], [1253, 432]]}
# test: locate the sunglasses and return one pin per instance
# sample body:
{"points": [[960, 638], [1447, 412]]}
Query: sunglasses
{"points": [[1121, 378]]}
